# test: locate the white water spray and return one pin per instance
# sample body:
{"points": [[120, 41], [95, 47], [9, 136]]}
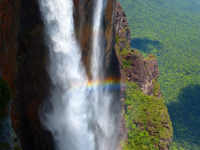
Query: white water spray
{"points": [[69, 115], [78, 118], [106, 135]]}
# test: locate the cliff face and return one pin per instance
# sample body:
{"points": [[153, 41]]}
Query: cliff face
{"points": [[23, 66], [121, 27], [83, 24], [24, 57], [144, 72], [9, 17]]}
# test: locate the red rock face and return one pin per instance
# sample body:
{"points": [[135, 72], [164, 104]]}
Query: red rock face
{"points": [[24, 57], [83, 23], [121, 27], [24, 69], [83, 28], [142, 71]]}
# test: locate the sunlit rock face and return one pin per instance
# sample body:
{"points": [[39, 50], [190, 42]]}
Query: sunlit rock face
{"points": [[121, 27], [142, 71]]}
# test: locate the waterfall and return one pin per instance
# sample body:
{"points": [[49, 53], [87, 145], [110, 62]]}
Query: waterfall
{"points": [[106, 135], [78, 117], [68, 113]]}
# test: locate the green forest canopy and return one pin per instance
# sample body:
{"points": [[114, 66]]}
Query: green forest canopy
{"points": [[170, 29]]}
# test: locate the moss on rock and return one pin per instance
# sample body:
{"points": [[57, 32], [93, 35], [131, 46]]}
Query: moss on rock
{"points": [[150, 57], [126, 63], [156, 89]]}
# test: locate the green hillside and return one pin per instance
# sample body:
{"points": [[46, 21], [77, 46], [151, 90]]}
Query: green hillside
{"points": [[146, 119], [170, 29]]}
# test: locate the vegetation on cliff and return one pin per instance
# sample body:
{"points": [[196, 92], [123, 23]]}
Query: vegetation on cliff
{"points": [[5, 97], [170, 29], [147, 120]]}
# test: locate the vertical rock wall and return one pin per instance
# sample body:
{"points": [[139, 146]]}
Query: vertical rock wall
{"points": [[142, 71], [83, 15], [9, 22]]}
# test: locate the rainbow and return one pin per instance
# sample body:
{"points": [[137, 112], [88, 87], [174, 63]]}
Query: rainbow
{"points": [[110, 84]]}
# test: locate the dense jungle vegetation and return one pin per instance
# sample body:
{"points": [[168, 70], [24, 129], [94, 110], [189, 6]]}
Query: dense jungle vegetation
{"points": [[170, 29], [146, 117]]}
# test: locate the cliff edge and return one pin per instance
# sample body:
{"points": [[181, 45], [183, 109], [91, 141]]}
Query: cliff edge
{"points": [[145, 120]]}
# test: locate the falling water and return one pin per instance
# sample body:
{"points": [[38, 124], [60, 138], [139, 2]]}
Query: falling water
{"points": [[77, 120], [106, 138], [106, 135], [69, 113]]}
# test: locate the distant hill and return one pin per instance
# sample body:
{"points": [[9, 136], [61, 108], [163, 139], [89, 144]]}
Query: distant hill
{"points": [[170, 29]]}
